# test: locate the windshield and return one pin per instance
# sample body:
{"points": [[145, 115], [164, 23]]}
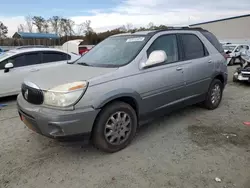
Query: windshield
{"points": [[230, 48], [3, 55], [114, 51]]}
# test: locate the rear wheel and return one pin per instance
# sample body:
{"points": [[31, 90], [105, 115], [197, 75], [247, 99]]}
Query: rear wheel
{"points": [[231, 62], [214, 95], [115, 127]]}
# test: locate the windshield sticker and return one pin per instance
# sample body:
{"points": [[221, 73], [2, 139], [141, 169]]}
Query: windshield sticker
{"points": [[137, 39]]}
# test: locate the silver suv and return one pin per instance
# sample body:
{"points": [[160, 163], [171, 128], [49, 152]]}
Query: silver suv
{"points": [[122, 82]]}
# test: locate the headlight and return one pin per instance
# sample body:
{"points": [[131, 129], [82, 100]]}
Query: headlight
{"points": [[65, 95]]}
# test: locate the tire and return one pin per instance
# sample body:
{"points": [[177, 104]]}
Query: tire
{"points": [[235, 79], [231, 62], [209, 103], [104, 133]]}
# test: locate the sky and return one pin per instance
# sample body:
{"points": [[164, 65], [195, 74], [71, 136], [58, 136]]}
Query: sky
{"points": [[110, 14]]}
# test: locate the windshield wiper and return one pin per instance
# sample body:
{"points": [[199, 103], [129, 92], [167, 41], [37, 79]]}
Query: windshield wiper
{"points": [[84, 64]]}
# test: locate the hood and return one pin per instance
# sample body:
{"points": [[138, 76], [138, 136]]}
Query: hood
{"points": [[50, 77]]}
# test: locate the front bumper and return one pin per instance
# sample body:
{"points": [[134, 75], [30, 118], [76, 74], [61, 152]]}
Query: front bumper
{"points": [[56, 123], [242, 77]]}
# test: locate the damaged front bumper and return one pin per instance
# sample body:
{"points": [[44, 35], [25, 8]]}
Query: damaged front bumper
{"points": [[242, 76]]}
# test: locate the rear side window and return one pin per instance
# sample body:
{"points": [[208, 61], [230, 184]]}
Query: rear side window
{"points": [[192, 46], [54, 56], [66, 56], [213, 40]]}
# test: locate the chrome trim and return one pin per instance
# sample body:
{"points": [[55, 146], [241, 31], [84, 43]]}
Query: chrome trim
{"points": [[30, 84], [243, 72]]}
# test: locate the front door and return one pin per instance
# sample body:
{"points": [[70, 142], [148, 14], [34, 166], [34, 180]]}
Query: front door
{"points": [[162, 85], [24, 65]]}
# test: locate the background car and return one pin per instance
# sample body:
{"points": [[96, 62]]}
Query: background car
{"points": [[1, 50], [15, 65], [233, 52], [30, 46]]}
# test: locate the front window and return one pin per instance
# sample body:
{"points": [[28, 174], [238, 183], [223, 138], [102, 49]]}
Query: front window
{"points": [[4, 55], [114, 51], [229, 48]]}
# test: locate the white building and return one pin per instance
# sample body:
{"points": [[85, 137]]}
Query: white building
{"points": [[234, 29]]}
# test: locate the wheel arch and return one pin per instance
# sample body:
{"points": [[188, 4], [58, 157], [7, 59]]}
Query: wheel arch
{"points": [[127, 96], [124, 95]]}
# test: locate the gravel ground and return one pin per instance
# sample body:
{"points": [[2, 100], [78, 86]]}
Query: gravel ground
{"points": [[186, 149]]}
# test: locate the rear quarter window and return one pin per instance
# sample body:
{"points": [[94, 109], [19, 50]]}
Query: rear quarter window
{"points": [[213, 40]]}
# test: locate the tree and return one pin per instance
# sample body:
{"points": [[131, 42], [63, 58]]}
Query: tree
{"points": [[39, 22], [29, 23], [46, 27], [80, 29], [162, 27], [20, 28], [70, 24], [55, 24], [150, 25], [66, 27], [3, 30], [127, 28], [87, 26]]}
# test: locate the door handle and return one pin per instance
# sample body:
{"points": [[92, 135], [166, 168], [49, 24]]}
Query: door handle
{"points": [[210, 61], [34, 70], [179, 68]]}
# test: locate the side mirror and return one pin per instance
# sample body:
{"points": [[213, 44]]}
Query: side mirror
{"points": [[8, 66], [156, 57]]}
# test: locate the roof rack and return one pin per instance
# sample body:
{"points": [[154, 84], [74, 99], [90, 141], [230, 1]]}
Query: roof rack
{"points": [[183, 28]]}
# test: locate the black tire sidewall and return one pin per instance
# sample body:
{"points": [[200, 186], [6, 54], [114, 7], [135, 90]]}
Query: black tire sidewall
{"points": [[231, 62], [208, 102], [99, 139]]}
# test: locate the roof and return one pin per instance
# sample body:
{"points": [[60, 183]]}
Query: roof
{"points": [[152, 32], [23, 50], [10, 53], [37, 35], [219, 20]]}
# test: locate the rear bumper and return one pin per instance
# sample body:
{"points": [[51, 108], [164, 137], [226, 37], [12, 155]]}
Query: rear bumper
{"points": [[56, 123]]}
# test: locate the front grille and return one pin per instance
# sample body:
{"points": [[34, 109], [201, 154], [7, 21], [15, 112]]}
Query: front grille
{"points": [[32, 95], [245, 75]]}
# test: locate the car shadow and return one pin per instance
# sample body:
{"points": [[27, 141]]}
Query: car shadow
{"points": [[84, 144]]}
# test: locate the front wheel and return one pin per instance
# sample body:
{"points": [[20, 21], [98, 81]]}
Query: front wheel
{"points": [[115, 127], [214, 95]]}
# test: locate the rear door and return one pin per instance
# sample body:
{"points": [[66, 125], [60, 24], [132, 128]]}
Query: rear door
{"points": [[199, 66], [24, 65], [54, 58]]}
